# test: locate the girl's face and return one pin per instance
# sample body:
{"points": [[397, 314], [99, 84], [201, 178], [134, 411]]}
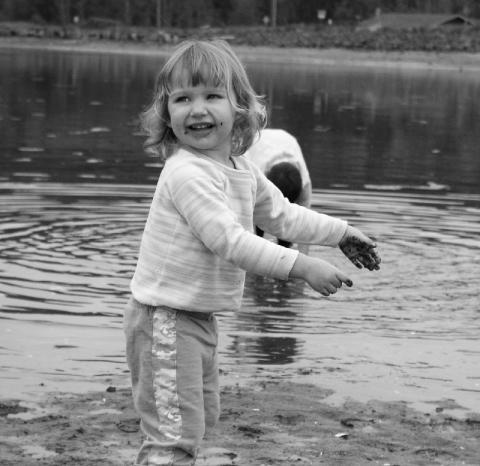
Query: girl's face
{"points": [[202, 118]]}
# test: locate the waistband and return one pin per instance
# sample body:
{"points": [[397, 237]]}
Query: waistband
{"points": [[197, 315], [207, 316]]}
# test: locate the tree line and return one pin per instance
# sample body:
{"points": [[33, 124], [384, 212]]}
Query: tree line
{"points": [[218, 13]]}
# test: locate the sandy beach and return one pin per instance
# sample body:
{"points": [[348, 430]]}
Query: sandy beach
{"points": [[265, 420], [269, 422]]}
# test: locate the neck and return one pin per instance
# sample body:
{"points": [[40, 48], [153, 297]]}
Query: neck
{"points": [[221, 157]]}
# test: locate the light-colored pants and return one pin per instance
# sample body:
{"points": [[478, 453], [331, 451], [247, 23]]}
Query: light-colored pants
{"points": [[172, 356]]}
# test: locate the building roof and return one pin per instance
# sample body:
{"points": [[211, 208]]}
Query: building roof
{"points": [[414, 21]]}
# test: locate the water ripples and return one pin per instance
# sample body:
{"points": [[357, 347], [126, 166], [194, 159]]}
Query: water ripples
{"points": [[72, 249], [69, 248], [429, 279], [68, 252]]}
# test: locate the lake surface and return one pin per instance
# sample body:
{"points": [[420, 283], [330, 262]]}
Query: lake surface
{"points": [[394, 152]]}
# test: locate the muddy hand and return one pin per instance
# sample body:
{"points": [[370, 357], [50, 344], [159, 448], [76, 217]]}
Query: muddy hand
{"points": [[360, 249]]}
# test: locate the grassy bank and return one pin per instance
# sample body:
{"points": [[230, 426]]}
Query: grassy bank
{"points": [[446, 39]]}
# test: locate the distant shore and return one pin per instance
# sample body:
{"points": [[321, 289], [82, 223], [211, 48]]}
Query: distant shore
{"points": [[448, 61]]}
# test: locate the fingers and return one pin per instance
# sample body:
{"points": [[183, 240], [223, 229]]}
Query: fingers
{"points": [[356, 261], [360, 252], [369, 259], [376, 258], [336, 284], [343, 278], [328, 291]]}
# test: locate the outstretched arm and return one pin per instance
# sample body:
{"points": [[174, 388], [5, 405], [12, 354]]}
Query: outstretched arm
{"points": [[360, 249], [274, 214]]}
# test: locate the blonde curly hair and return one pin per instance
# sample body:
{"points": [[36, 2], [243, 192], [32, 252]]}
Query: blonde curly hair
{"points": [[210, 63]]}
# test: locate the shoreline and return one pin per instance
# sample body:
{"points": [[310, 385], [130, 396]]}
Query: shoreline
{"points": [[453, 61], [270, 422]]}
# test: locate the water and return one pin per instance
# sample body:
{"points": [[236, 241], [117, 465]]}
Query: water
{"points": [[395, 153]]}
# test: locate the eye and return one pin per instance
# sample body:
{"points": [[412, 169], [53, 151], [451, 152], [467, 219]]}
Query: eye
{"points": [[215, 95], [180, 98]]}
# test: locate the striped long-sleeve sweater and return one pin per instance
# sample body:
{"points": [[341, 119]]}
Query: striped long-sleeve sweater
{"points": [[198, 239]]}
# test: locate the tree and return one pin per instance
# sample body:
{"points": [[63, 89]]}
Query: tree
{"points": [[273, 13], [127, 14], [64, 11], [353, 10], [245, 12], [158, 13], [193, 13], [79, 9], [222, 10], [7, 10]]}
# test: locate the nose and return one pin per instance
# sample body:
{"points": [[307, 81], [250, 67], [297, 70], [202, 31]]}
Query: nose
{"points": [[198, 107]]}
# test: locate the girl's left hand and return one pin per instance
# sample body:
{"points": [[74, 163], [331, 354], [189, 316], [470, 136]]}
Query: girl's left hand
{"points": [[360, 249]]}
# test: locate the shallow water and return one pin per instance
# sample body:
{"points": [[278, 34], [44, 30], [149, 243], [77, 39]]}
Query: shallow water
{"points": [[409, 331], [75, 189]]}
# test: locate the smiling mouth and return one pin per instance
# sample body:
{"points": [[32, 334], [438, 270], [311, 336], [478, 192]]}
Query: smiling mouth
{"points": [[200, 126]]}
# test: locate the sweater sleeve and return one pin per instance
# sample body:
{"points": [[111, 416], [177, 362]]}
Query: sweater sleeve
{"points": [[292, 222], [200, 199]]}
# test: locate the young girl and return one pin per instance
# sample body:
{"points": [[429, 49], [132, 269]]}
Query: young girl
{"points": [[199, 241]]}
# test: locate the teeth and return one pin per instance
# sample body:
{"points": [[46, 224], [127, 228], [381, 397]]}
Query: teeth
{"points": [[201, 126]]}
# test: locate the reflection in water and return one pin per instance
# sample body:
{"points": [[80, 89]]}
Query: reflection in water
{"points": [[73, 118], [270, 292], [74, 115], [262, 349], [379, 126], [264, 339]]}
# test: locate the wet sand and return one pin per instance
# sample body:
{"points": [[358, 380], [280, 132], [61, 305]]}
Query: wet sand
{"points": [[454, 61], [269, 422]]}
